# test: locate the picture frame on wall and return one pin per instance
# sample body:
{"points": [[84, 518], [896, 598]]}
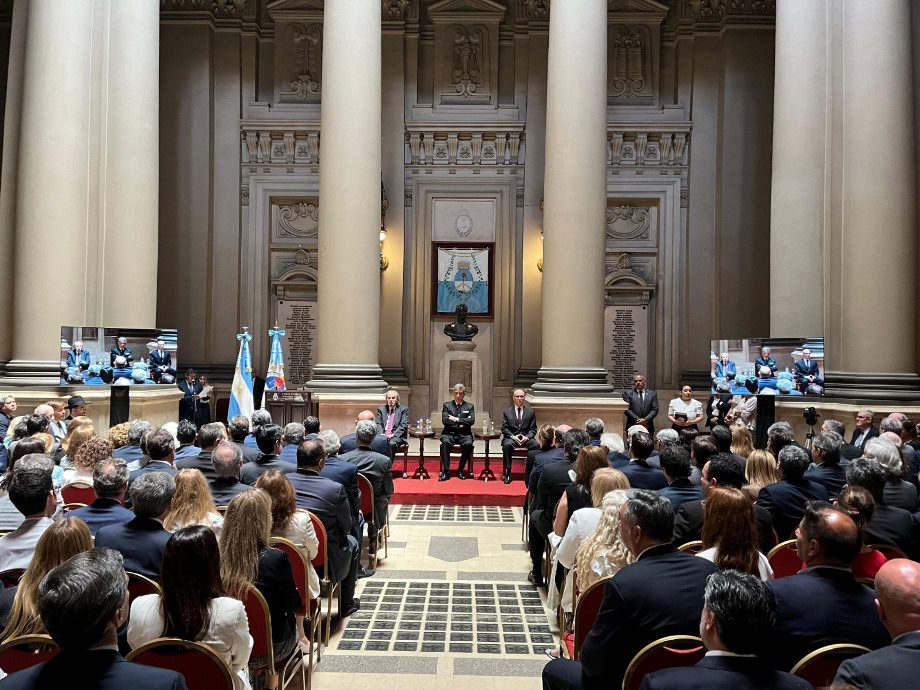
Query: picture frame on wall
{"points": [[462, 274]]}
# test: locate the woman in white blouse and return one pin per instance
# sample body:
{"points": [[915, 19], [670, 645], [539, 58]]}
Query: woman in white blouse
{"points": [[192, 606], [192, 503], [730, 533], [685, 412]]}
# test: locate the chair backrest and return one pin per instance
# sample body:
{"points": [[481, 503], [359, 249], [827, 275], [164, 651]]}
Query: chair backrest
{"points": [[586, 608], [11, 578], [140, 585], [299, 566], [889, 551], [784, 560], [667, 652], [319, 560], [72, 506], [260, 628], [820, 667], [693, 547], [24, 651], [79, 492], [201, 666], [367, 498]]}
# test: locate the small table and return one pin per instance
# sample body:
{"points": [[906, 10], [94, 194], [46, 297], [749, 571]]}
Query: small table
{"points": [[486, 474], [420, 471]]}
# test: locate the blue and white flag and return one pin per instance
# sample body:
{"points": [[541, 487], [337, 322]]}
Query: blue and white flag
{"points": [[241, 401], [274, 379]]}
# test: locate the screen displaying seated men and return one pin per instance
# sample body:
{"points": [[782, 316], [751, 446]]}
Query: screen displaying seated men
{"points": [[95, 356], [768, 366]]}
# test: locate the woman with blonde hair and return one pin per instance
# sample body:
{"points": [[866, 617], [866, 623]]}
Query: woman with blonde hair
{"points": [[603, 552], [577, 495], [247, 560], [759, 471], [118, 434], [741, 440], [76, 437], [192, 503], [90, 454], [19, 604], [730, 534]]}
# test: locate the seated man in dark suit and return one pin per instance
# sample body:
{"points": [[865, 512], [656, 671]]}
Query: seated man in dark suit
{"points": [[392, 421], [865, 429], [210, 436], [552, 484], [720, 470], [160, 362], [376, 467], [186, 435], [311, 427], [142, 540], [825, 468], [380, 444], [675, 463], [660, 594], [345, 474], [893, 667], [458, 418], [786, 498], [823, 604], [848, 451], [121, 349], [110, 481], [291, 438], [616, 449], [889, 524], [269, 439], [82, 603], [519, 426], [238, 428], [160, 452], [640, 474], [259, 418], [807, 373], [227, 460], [722, 435], [326, 499], [738, 613]]}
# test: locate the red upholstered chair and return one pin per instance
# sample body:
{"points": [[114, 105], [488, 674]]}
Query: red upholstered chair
{"points": [[18, 653], [201, 666], [322, 561], [668, 652], [692, 547], [260, 628], [141, 585], [784, 560], [310, 608], [79, 492], [586, 608], [820, 667], [367, 510], [889, 551]]}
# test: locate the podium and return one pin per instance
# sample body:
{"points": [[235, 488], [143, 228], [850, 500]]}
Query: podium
{"points": [[290, 406]]}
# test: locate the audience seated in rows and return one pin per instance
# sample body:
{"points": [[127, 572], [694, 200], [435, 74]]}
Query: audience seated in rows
{"points": [[346, 475], [730, 533], [209, 437], [186, 436], [760, 471], [91, 453], [192, 504], [825, 468], [377, 468], [675, 463], [890, 524], [291, 438], [227, 459], [858, 503], [898, 493], [577, 494], [238, 428], [110, 482], [638, 471], [268, 437], [32, 492], [132, 453], [786, 498]]}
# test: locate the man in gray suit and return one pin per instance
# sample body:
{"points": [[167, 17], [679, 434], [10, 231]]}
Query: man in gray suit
{"points": [[641, 405], [376, 468], [393, 421]]}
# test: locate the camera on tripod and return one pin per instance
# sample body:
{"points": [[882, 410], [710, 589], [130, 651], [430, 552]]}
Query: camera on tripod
{"points": [[811, 416]]}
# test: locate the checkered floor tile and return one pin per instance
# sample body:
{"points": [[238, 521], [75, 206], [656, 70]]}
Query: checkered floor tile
{"points": [[457, 514]]}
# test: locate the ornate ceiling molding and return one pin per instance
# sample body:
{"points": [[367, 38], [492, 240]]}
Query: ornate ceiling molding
{"points": [[464, 144], [211, 9]]}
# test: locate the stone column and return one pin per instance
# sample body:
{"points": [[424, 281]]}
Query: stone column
{"points": [[349, 203], [575, 200], [53, 188], [798, 191], [872, 338], [131, 160]]}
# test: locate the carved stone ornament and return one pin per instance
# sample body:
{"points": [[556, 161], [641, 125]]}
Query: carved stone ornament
{"points": [[302, 257], [624, 263], [299, 220], [717, 10], [394, 10], [627, 223], [466, 66], [218, 7], [307, 51], [464, 223], [630, 63], [535, 10]]}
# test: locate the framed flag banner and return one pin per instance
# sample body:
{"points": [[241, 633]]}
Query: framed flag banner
{"points": [[462, 274]]}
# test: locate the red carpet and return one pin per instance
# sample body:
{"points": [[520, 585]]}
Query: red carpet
{"points": [[454, 492]]}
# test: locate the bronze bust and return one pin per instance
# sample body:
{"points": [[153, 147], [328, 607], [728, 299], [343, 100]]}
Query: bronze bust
{"points": [[460, 329]]}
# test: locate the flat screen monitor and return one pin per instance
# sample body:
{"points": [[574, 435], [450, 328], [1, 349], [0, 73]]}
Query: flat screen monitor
{"points": [[96, 356], [768, 366]]}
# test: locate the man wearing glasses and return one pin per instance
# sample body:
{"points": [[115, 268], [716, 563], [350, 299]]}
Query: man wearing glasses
{"points": [[864, 429]]}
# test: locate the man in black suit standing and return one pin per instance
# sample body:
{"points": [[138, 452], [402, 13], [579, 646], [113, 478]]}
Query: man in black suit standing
{"points": [[642, 405], [786, 498], [738, 613], [660, 594], [458, 418], [393, 421], [191, 392], [519, 426], [895, 666], [864, 428], [823, 604]]}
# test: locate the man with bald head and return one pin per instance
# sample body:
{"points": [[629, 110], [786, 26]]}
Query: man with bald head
{"points": [[823, 604], [897, 598], [380, 444]]}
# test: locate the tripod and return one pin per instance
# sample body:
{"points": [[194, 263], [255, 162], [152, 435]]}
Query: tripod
{"points": [[810, 437]]}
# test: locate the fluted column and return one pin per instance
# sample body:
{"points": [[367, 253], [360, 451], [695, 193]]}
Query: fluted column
{"points": [[575, 200], [799, 191], [349, 201], [872, 338]]}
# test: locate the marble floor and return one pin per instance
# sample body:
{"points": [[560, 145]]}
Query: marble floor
{"points": [[450, 608]]}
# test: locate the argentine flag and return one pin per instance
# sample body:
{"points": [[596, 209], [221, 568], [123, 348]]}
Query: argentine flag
{"points": [[274, 379], [241, 390]]}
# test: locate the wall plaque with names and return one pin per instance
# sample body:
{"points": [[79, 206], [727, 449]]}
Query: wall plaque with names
{"points": [[625, 343], [298, 318]]}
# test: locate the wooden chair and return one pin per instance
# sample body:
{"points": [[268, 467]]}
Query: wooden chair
{"points": [[310, 609], [518, 452], [78, 492], [404, 449], [201, 666], [322, 561], [668, 652], [22, 652], [367, 509], [820, 667], [141, 585], [11, 578], [889, 551], [67, 507], [784, 560], [692, 547], [260, 628], [586, 608]]}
